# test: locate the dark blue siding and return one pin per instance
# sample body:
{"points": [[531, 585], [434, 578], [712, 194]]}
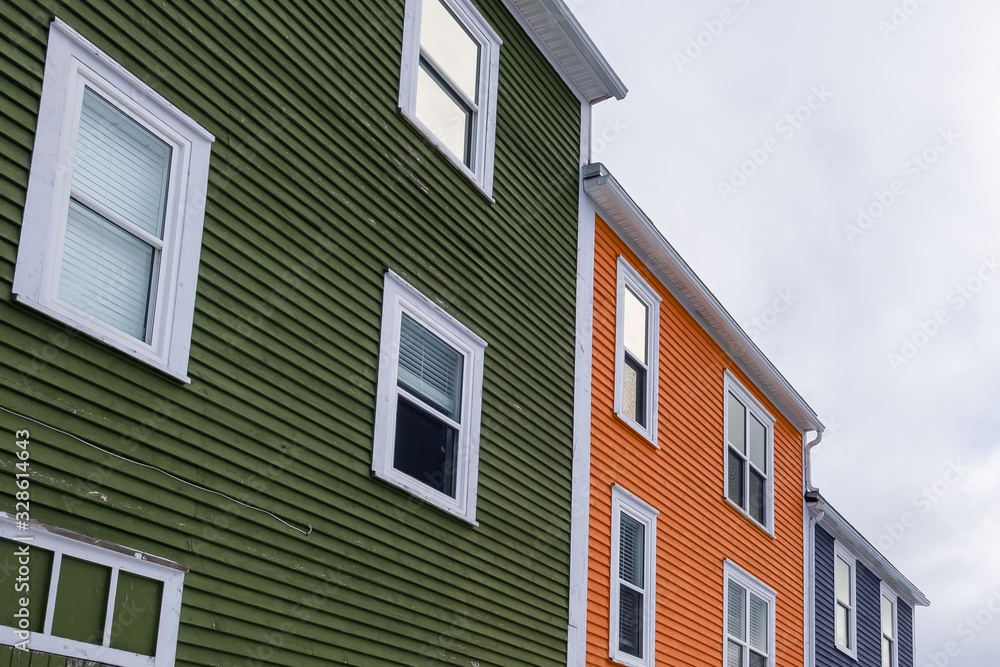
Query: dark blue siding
{"points": [[867, 604], [904, 619]]}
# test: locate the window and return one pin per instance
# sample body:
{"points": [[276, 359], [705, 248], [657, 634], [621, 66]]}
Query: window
{"points": [[115, 207], [448, 82], [637, 351], [845, 632], [749, 444], [888, 627], [633, 580], [430, 387], [749, 621], [105, 604]]}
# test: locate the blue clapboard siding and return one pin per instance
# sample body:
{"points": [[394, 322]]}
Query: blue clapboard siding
{"points": [[869, 635]]}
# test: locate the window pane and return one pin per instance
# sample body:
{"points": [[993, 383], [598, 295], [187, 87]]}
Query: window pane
{"points": [[122, 164], [737, 613], [757, 660], [40, 563], [634, 391], [737, 432], [636, 314], [735, 478], [632, 550], [425, 448], [757, 498], [843, 577], [81, 601], [734, 655], [886, 653], [451, 47], [106, 272], [430, 368], [630, 621], [843, 627], [137, 614], [887, 628], [758, 624], [447, 120], [758, 444]]}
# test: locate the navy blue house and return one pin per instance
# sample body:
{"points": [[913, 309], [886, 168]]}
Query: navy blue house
{"points": [[861, 608]]}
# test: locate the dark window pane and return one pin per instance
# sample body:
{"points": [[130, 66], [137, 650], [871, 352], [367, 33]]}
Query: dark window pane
{"points": [[735, 474], [425, 448], [634, 399], [757, 509], [630, 621], [757, 660]]}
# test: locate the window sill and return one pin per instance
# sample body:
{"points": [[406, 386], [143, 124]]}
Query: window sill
{"points": [[629, 661], [850, 654], [426, 495], [641, 432], [764, 529], [135, 351], [452, 160]]}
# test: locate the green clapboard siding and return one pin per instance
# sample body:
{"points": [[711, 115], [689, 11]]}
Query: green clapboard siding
{"points": [[317, 186]]}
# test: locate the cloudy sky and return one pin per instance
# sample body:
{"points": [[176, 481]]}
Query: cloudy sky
{"points": [[840, 162]]}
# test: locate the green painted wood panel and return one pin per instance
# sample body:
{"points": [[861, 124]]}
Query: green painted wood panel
{"points": [[317, 186]]}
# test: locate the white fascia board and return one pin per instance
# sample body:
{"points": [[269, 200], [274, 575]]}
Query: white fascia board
{"points": [[844, 532], [684, 284], [565, 43]]}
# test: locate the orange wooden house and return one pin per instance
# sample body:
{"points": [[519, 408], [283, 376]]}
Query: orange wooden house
{"points": [[689, 465]]}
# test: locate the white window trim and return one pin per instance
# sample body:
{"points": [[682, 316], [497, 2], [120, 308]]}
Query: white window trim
{"points": [[733, 572], [630, 278], [484, 139], [399, 296], [731, 384], [839, 551], [891, 594], [69, 62], [638, 509], [119, 559]]}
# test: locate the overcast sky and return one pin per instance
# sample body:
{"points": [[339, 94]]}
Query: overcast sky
{"points": [[753, 133]]}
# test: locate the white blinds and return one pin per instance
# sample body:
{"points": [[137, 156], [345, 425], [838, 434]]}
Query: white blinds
{"points": [[631, 559], [737, 611], [121, 172], [758, 623], [430, 368]]}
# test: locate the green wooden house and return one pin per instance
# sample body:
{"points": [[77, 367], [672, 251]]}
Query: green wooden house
{"points": [[287, 329]]}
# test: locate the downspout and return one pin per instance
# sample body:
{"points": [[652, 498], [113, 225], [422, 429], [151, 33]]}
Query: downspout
{"points": [[812, 514]]}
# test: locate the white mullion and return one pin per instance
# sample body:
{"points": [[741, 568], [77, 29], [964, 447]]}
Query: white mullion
{"points": [[50, 605], [115, 218], [109, 615], [426, 406], [452, 86]]}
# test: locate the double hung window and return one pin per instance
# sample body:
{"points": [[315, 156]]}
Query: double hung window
{"points": [[888, 617], [749, 451], [115, 207], [633, 580], [844, 584], [637, 351], [449, 82], [429, 400], [750, 620]]}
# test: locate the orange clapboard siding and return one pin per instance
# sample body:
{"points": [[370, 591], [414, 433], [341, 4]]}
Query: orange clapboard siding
{"points": [[697, 530]]}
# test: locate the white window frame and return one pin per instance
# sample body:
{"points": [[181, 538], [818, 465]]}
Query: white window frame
{"points": [[885, 591], [399, 297], [733, 572], [732, 385], [484, 118], [629, 278], [624, 501], [70, 63], [839, 551], [119, 559]]}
